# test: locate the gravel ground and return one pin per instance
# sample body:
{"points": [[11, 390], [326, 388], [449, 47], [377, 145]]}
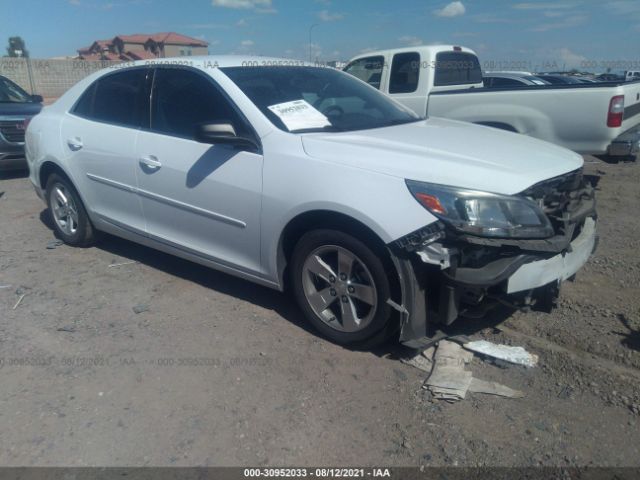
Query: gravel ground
{"points": [[121, 355]]}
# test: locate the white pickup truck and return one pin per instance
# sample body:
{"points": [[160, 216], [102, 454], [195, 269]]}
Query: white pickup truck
{"points": [[446, 81]]}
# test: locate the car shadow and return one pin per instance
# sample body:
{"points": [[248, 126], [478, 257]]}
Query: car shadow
{"points": [[283, 304], [210, 161], [613, 160], [462, 327]]}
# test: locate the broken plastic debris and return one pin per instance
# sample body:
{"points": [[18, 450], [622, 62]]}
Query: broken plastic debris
{"points": [[19, 301], [122, 264], [517, 355]]}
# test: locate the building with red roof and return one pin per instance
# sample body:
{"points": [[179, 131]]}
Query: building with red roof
{"points": [[142, 46]]}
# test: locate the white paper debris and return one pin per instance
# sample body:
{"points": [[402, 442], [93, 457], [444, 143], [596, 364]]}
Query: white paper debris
{"points": [[423, 360], [493, 388], [516, 355], [299, 115], [450, 381]]}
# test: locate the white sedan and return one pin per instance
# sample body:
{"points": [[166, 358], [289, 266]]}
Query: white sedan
{"points": [[380, 222]]}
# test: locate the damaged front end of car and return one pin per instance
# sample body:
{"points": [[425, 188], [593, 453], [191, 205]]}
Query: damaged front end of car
{"points": [[487, 249]]}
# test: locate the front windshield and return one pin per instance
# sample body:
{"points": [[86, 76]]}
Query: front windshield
{"points": [[311, 99], [12, 93]]}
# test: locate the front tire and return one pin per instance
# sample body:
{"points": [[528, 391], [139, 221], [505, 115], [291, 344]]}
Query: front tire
{"points": [[70, 219], [342, 288]]}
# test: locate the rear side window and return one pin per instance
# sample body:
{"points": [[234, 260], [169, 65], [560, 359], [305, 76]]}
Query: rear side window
{"points": [[84, 107], [117, 98], [367, 69], [405, 73], [183, 99], [457, 68]]}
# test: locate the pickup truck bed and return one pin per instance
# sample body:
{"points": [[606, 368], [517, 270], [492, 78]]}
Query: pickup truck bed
{"points": [[560, 114]]}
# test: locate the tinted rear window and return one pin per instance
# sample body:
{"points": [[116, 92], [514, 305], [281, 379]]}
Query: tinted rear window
{"points": [[84, 107], [457, 68], [119, 98]]}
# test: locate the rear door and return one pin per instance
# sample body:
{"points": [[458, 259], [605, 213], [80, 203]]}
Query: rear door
{"points": [[99, 137], [204, 199], [405, 79]]}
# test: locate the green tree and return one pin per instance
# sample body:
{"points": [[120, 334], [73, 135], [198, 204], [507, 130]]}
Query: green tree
{"points": [[17, 47]]}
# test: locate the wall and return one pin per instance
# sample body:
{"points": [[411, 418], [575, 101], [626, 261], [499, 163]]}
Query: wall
{"points": [[174, 50], [49, 78]]}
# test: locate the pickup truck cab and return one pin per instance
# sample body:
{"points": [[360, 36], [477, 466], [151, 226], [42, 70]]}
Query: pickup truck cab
{"points": [[380, 222], [17, 107], [632, 75], [447, 81]]}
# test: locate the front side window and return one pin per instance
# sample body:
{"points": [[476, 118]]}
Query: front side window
{"points": [[457, 68], [367, 69], [405, 72], [331, 100], [118, 98], [184, 99]]}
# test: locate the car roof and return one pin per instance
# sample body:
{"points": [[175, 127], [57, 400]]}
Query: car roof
{"points": [[221, 61], [428, 49]]}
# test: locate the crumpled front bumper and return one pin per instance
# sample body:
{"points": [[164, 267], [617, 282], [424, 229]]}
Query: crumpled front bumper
{"points": [[558, 268], [516, 280]]}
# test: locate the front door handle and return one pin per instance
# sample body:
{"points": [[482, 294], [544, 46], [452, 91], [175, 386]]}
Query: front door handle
{"points": [[75, 143], [151, 162]]}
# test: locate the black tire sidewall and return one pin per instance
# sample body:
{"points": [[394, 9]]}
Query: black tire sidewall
{"points": [[317, 238], [84, 232]]}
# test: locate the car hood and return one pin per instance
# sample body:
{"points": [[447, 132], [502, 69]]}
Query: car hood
{"points": [[20, 109], [447, 152]]}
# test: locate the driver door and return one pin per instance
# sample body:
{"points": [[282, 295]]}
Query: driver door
{"points": [[204, 199]]}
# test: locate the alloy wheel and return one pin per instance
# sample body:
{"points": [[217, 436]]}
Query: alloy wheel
{"points": [[339, 288], [65, 212]]}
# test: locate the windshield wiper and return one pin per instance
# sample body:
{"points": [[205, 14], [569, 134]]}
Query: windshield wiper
{"points": [[328, 128], [402, 122]]}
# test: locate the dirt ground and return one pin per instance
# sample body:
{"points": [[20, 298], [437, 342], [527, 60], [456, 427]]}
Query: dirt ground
{"points": [[213, 370]]}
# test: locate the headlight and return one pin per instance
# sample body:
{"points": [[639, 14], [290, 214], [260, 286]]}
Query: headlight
{"points": [[482, 213]]}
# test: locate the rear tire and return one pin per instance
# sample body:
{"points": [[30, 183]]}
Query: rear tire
{"points": [[68, 215], [342, 288]]}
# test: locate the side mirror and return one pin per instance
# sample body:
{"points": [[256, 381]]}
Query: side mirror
{"points": [[37, 98], [222, 133]]}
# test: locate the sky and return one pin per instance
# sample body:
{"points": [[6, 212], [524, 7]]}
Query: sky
{"points": [[510, 35]]}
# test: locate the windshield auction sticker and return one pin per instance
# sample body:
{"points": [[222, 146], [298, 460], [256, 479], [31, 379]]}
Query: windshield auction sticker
{"points": [[299, 115]]}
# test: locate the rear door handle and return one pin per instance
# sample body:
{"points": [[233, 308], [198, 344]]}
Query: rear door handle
{"points": [[75, 143], [151, 162]]}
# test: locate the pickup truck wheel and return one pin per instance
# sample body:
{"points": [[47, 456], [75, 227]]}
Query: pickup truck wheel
{"points": [[342, 288], [70, 219]]}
